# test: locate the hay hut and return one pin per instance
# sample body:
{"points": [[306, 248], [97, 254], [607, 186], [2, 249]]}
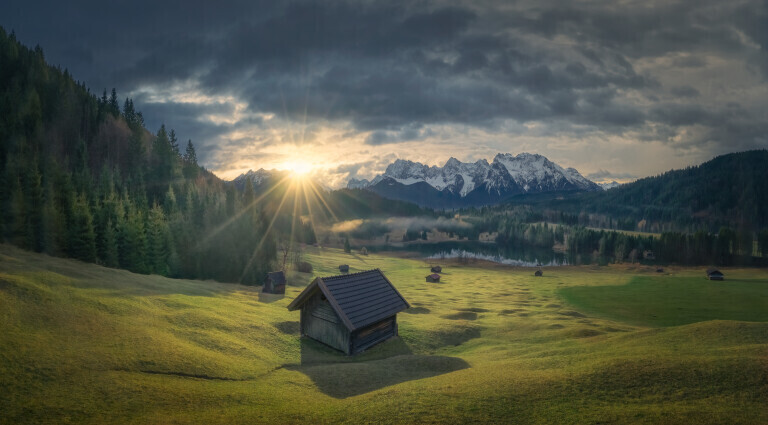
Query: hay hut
{"points": [[436, 269], [539, 273], [714, 274], [341, 312], [433, 278], [274, 283], [344, 268]]}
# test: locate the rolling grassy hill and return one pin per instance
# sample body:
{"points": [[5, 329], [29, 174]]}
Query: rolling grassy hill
{"points": [[489, 344]]}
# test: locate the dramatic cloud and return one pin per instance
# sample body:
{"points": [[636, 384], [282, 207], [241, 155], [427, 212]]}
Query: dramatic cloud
{"points": [[638, 86]]}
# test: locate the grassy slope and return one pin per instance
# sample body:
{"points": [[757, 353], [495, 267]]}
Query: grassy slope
{"points": [[80, 343], [665, 301]]}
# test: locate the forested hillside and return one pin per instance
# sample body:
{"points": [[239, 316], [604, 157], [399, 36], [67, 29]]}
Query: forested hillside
{"points": [[82, 177], [730, 190]]}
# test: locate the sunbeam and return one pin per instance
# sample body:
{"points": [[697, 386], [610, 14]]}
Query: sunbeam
{"points": [[266, 234], [234, 218]]}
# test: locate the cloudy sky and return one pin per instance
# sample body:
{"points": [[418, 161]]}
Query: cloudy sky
{"points": [[616, 89]]}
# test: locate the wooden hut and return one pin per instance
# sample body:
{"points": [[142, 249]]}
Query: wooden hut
{"points": [[714, 274], [364, 251], [434, 278], [660, 270], [274, 283], [539, 273], [648, 255], [436, 269], [350, 312], [344, 268]]}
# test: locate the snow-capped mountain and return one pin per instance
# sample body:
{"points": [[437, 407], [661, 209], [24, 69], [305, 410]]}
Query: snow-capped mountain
{"points": [[610, 185], [264, 179], [460, 183], [255, 177], [358, 184]]}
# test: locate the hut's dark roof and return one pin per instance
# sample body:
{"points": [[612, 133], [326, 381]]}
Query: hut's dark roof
{"points": [[278, 278], [714, 271], [434, 276], [359, 298]]}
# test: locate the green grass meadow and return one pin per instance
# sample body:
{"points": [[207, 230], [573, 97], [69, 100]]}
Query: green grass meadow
{"points": [[488, 344]]}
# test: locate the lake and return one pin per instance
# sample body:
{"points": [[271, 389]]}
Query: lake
{"points": [[489, 251]]}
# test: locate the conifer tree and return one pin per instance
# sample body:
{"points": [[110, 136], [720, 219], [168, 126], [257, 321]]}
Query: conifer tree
{"points": [[190, 162], [169, 203], [158, 241], [109, 256], [33, 192], [18, 227], [114, 107], [174, 143], [81, 243]]}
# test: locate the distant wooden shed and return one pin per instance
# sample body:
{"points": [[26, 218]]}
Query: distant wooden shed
{"points": [[714, 274], [350, 312], [539, 273], [436, 269], [274, 283], [344, 268], [649, 255], [434, 278]]}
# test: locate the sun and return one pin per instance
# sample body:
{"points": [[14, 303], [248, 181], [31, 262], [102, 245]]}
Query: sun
{"points": [[299, 168]]}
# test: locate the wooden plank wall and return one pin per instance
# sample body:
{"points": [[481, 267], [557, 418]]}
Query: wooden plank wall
{"points": [[323, 324]]}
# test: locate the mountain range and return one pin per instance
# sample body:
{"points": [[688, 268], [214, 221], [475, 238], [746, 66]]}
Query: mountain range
{"points": [[460, 184]]}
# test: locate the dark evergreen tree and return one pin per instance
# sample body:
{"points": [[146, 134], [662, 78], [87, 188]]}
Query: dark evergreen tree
{"points": [[109, 254], [191, 168], [174, 142], [158, 242], [114, 107], [81, 242], [762, 242]]}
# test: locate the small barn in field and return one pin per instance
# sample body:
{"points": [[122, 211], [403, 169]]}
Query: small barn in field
{"points": [[274, 283], [350, 312], [714, 274], [434, 278], [344, 268], [539, 273], [436, 269]]}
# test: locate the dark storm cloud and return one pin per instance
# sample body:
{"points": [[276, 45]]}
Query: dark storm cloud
{"points": [[392, 69], [684, 91], [185, 119]]}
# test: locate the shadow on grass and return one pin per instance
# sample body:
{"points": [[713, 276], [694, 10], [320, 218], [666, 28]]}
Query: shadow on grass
{"points": [[384, 365], [270, 298]]}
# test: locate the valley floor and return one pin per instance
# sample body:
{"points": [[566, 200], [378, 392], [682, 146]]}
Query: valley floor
{"points": [[488, 344]]}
